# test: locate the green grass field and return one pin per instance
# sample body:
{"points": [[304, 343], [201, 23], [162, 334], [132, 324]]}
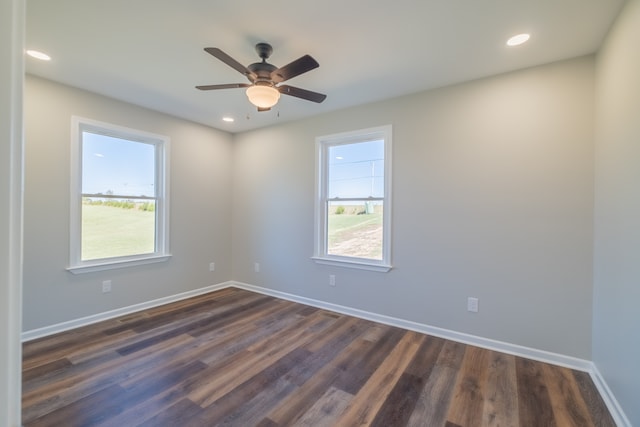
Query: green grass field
{"points": [[111, 232], [355, 235]]}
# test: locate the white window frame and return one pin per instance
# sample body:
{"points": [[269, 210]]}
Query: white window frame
{"points": [[162, 149], [321, 255]]}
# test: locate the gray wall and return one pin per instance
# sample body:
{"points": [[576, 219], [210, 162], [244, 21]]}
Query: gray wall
{"points": [[493, 198], [200, 209], [616, 335], [11, 72]]}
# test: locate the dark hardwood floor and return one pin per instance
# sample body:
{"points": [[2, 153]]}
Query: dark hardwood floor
{"points": [[238, 358]]}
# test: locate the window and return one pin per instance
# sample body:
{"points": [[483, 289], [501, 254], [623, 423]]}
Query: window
{"points": [[353, 199], [119, 197]]}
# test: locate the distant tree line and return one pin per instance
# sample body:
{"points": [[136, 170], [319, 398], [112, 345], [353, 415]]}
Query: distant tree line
{"points": [[123, 204]]}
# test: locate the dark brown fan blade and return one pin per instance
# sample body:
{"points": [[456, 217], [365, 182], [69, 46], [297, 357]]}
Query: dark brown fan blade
{"points": [[295, 68], [231, 62], [302, 93], [263, 109], [226, 86]]}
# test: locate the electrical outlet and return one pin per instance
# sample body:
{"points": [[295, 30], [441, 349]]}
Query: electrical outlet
{"points": [[256, 267], [472, 304], [106, 286], [332, 280], [212, 266]]}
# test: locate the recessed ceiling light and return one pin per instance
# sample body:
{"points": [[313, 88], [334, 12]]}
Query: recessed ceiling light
{"points": [[38, 55], [518, 39], [228, 119]]}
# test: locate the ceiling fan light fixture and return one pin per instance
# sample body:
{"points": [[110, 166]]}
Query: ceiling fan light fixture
{"points": [[263, 95]]}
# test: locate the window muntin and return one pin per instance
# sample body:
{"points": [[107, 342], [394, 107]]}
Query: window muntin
{"points": [[119, 212], [353, 208]]}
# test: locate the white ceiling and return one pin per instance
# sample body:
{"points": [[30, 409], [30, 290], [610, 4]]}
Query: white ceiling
{"points": [[150, 52]]}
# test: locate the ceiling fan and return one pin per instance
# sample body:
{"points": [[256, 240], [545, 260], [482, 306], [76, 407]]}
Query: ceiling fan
{"points": [[264, 90]]}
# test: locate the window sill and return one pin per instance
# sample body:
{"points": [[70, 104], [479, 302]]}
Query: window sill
{"points": [[348, 263], [112, 265]]}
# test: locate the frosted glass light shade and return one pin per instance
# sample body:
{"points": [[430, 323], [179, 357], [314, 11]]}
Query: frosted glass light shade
{"points": [[263, 96]]}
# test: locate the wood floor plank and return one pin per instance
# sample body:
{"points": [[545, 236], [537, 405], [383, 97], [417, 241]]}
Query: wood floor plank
{"points": [[238, 358], [85, 411], [426, 358], [149, 408], [265, 382], [224, 349], [400, 403], [163, 378], [598, 412], [326, 411], [46, 370], [467, 403], [99, 345], [362, 410], [501, 403], [230, 316], [224, 339], [352, 379], [83, 382], [236, 337], [43, 350], [41, 383], [289, 411], [569, 408], [434, 400], [266, 422], [344, 331], [534, 403], [152, 408], [342, 325], [252, 412], [177, 414], [227, 381], [164, 315]]}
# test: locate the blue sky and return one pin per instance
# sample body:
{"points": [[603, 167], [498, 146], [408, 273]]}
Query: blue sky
{"points": [[113, 164], [127, 168], [356, 170]]}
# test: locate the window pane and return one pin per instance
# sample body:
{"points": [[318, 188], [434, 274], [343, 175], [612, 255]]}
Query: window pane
{"points": [[117, 227], [356, 170], [117, 166], [355, 229]]}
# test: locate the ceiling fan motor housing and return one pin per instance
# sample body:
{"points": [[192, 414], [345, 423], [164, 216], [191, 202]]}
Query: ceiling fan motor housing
{"points": [[262, 70]]}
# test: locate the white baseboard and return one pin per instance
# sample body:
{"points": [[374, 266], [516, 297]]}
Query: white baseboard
{"points": [[609, 399], [514, 349], [517, 350], [99, 317]]}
